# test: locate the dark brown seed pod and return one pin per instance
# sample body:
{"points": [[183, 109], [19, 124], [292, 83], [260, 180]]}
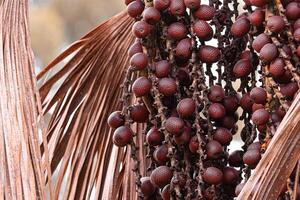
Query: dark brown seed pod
{"points": [[216, 94], [154, 137], [194, 144], [147, 188], [203, 30], [223, 136], [239, 188], [216, 111], [235, 159], [174, 125], [214, 149], [177, 31], [251, 157], [213, 176], [260, 41], [177, 7], [141, 86], [161, 176], [257, 17], [231, 103], [230, 175], [297, 35], [260, 116], [162, 69], [141, 29], [192, 4], [205, 12], [135, 8], [240, 27], [292, 11], [209, 54], [183, 48], [277, 67], [183, 77], [151, 15], [160, 155], [259, 3], [186, 107], [115, 119], [122, 136], [139, 113], [242, 68], [269, 52], [256, 107], [184, 137], [161, 4], [259, 95], [167, 86], [139, 61], [289, 90], [254, 146], [246, 102], [135, 48], [275, 24], [165, 193]]}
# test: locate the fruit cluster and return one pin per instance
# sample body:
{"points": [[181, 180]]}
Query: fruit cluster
{"points": [[186, 63]]}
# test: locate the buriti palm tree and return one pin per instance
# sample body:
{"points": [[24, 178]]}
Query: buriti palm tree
{"points": [[171, 87]]}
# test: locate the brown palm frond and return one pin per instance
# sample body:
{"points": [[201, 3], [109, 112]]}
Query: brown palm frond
{"points": [[81, 150], [22, 165]]}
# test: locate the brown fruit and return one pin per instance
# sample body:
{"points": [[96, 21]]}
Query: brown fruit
{"points": [[209, 54], [216, 93], [254, 146], [260, 116], [154, 137], [242, 68], [184, 137], [269, 52], [165, 193], [174, 125], [297, 24], [203, 30], [260, 41], [259, 95], [275, 24], [167, 86], [151, 15], [256, 107], [177, 7], [235, 159], [213, 176], [135, 8], [139, 113], [122, 136], [183, 48], [177, 31], [289, 90], [194, 144], [161, 176], [115, 119], [161, 4], [135, 48], [205, 12], [239, 188], [160, 155], [147, 188], [230, 175], [139, 61], [292, 11], [141, 29], [277, 67], [257, 17], [246, 102], [216, 111], [251, 157], [223, 136], [297, 35], [259, 3], [162, 69], [186, 107], [214, 149], [231, 103], [240, 27], [141, 86], [192, 4]]}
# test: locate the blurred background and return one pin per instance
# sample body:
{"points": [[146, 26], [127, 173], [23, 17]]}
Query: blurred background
{"points": [[55, 24]]}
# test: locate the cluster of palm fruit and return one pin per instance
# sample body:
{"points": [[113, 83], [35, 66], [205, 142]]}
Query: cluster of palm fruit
{"points": [[196, 78]]}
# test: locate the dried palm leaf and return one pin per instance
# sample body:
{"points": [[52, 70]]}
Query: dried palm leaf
{"points": [[82, 155], [22, 166]]}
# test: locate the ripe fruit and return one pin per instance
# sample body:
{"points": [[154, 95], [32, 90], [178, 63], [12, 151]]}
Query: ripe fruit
{"points": [[259, 3], [177, 31], [141, 29], [213, 149], [260, 116], [147, 188], [203, 30], [275, 24], [115, 119], [154, 137], [209, 54], [277, 67], [216, 93], [292, 11], [183, 48], [165, 194], [235, 159], [161, 4], [135, 8], [194, 144], [240, 27], [239, 188], [192, 4], [128, 2], [254, 146], [139, 61], [269, 52], [141, 86], [242, 68], [174, 125], [297, 35], [151, 15], [161, 176], [135, 48], [230, 175], [177, 7], [122, 136], [228, 122], [260, 41], [251, 157], [289, 89], [256, 106], [139, 113], [160, 155], [246, 102], [167, 86], [205, 12], [257, 17], [213, 176], [231, 103], [259, 95], [184, 137], [216, 111], [162, 69], [223, 136], [297, 24], [186, 107]]}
